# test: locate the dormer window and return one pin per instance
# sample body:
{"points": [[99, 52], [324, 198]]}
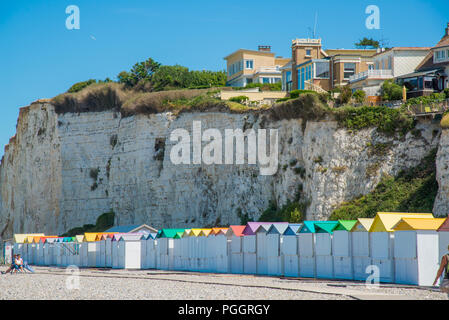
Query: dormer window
{"points": [[441, 55]]}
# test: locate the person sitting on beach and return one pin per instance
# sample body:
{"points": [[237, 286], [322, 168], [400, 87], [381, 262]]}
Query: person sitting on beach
{"points": [[19, 263], [12, 266]]}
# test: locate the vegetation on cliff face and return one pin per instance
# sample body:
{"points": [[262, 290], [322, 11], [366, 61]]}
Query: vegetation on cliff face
{"points": [[104, 222], [413, 190], [292, 212]]}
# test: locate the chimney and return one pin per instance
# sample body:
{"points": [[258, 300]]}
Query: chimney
{"points": [[447, 30], [265, 48]]}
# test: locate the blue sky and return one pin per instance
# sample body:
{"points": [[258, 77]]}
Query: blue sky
{"points": [[40, 58]]}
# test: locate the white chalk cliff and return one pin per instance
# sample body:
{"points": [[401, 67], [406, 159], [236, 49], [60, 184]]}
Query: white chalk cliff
{"points": [[63, 170]]}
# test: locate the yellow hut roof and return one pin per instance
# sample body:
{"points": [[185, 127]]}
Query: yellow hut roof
{"points": [[362, 224], [20, 238], [217, 231], [205, 232], [385, 221], [195, 232], [419, 224], [90, 236]]}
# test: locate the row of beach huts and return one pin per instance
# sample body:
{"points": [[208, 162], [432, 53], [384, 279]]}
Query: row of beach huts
{"points": [[405, 247]]}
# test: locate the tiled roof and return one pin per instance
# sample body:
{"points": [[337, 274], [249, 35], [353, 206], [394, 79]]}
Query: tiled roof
{"points": [[443, 43]]}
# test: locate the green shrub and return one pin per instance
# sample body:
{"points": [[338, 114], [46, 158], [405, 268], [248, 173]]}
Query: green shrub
{"points": [[81, 85], [391, 91], [387, 120], [93, 173], [295, 93], [239, 99], [427, 100], [359, 96], [292, 212], [265, 86], [345, 95], [104, 222], [446, 92]]}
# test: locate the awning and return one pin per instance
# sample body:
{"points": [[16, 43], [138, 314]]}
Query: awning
{"points": [[423, 73]]}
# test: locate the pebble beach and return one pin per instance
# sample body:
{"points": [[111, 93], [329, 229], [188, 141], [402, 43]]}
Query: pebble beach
{"points": [[99, 284]]}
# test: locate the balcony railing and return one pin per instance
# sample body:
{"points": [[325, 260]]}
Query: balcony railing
{"points": [[377, 74], [268, 70]]}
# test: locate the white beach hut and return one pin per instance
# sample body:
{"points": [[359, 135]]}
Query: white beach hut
{"points": [[289, 251], [323, 249], [221, 261], [115, 244], [164, 248], [149, 245], [306, 250], [262, 249], [360, 245], [178, 251], [382, 241], [204, 260], [235, 235], [342, 249], [274, 239], [416, 253], [249, 247], [129, 251]]}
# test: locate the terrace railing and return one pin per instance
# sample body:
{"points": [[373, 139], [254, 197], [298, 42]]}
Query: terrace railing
{"points": [[377, 74], [311, 86], [429, 109]]}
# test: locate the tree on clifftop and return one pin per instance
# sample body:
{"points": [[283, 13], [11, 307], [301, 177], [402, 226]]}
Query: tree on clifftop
{"points": [[365, 43], [140, 73]]}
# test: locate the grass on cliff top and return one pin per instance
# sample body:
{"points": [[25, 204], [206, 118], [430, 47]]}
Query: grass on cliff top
{"points": [[308, 106], [413, 190], [113, 96]]}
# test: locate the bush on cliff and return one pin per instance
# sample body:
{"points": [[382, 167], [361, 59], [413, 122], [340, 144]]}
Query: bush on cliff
{"points": [[387, 120], [413, 190], [104, 222], [292, 212]]}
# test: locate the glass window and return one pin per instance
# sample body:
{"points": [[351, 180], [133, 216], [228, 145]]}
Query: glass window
{"points": [[377, 65], [349, 70], [308, 52], [265, 80], [249, 64], [389, 63], [322, 70], [411, 84]]}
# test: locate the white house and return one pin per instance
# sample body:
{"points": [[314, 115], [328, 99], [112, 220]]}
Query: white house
{"points": [[388, 64]]}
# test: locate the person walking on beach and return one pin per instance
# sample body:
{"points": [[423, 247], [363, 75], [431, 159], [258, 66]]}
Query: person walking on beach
{"points": [[444, 267]]}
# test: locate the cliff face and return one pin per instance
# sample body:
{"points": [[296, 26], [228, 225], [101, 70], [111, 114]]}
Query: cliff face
{"points": [[441, 205], [63, 171]]}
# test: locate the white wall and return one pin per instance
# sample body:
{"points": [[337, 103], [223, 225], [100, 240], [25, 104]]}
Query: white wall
{"points": [[405, 62]]}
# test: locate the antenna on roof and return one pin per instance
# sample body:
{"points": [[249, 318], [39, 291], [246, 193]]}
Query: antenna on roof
{"points": [[314, 26]]}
